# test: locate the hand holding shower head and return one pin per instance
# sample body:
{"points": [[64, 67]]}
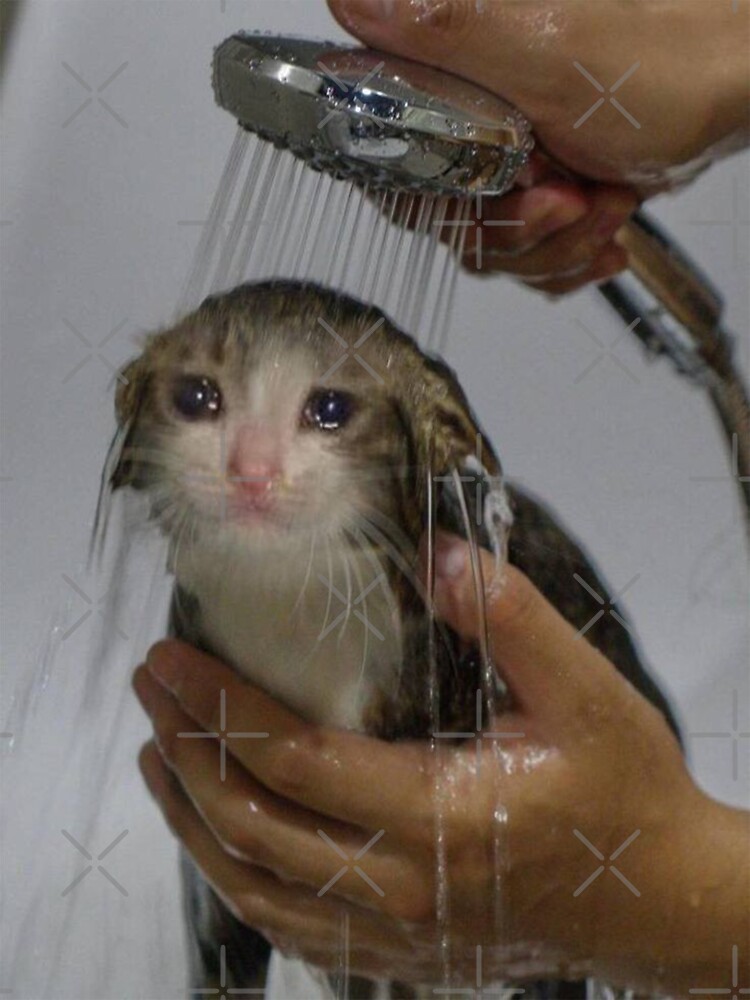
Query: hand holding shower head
{"points": [[394, 124]]}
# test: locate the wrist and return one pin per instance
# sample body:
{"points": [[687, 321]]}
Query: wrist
{"points": [[694, 903], [727, 123]]}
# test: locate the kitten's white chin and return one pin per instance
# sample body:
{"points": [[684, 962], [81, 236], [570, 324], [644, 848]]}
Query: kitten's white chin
{"points": [[311, 621]]}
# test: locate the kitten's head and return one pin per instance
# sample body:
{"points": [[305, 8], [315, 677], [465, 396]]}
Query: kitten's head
{"points": [[280, 409]]}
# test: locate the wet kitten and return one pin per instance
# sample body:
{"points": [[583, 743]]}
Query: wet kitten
{"points": [[293, 442]]}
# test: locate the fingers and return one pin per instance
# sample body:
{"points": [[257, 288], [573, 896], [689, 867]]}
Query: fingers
{"points": [[254, 825], [551, 236], [610, 262], [556, 675], [518, 221], [362, 781], [280, 911], [555, 237]]}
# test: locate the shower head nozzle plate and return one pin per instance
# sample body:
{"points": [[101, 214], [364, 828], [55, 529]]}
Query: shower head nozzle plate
{"points": [[366, 115]]}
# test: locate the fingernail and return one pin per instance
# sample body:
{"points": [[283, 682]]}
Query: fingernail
{"points": [[606, 227], [557, 217], [612, 262], [142, 691], [368, 10], [450, 557], [166, 669]]}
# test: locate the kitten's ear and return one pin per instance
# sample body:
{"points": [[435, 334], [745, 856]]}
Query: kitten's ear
{"points": [[474, 502], [470, 496], [131, 388], [132, 382]]}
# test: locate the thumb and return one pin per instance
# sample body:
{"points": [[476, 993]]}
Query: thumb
{"points": [[492, 43], [553, 672], [453, 35]]}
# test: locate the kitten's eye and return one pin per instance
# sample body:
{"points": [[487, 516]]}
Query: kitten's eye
{"points": [[327, 409], [196, 397]]}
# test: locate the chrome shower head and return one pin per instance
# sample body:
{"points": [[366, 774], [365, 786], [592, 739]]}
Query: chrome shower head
{"points": [[368, 116]]}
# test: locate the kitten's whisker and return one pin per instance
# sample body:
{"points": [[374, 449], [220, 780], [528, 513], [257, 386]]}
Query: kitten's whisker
{"points": [[308, 571], [344, 560], [366, 644], [329, 564]]}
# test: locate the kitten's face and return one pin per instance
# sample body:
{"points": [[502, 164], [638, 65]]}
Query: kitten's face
{"points": [[263, 432]]}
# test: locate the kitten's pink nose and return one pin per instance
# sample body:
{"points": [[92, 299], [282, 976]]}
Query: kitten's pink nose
{"points": [[254, 461]]}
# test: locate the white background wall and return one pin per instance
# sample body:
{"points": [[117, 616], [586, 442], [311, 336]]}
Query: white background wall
{"points": [[91, 238]]}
